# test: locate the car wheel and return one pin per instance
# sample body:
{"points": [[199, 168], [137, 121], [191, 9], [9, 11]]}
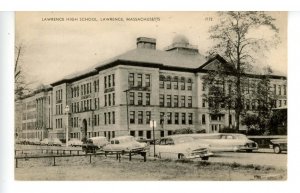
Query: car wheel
{"points": [[277, 149], [180, 156], [205, 158]]}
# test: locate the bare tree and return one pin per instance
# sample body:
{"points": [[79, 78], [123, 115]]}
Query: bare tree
{"points": [[21, 86], [235, 39]]}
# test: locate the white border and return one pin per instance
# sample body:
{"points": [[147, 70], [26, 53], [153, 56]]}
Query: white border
{"points": [[7, 183]]}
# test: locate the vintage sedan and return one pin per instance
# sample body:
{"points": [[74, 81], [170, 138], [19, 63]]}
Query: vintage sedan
{"points": [[74, 142], [227, 142], [54, 142], [279, 145], [125, 144], [45, 141], [182, 147], [94, 143]]}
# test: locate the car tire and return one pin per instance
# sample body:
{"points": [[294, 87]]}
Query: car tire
{"points": [[277, 149], [180, 156]]}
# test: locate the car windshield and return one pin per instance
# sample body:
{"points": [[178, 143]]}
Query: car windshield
{"points": [[183, 140]]}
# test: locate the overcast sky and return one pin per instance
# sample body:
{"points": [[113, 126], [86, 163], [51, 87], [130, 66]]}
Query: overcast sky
{"points": [[54, 49]]}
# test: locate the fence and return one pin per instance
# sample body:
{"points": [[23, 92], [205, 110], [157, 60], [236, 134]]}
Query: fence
{"points": [[64, 154]]}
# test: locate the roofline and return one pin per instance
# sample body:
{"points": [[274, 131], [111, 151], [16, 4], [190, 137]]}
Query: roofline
{"points": [[68, 80]]}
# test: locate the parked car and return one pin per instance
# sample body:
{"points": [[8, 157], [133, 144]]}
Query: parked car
{"points": [[183, 147], [94, 143], [279, 145], [75, 142], [35, 141], [227, 142], [54, 142], [125, 143], [45, 141]]}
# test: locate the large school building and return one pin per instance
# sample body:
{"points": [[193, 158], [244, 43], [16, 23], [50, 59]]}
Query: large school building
{"points": [[122, 95]]}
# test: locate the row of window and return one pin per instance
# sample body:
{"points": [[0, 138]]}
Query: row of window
{"points": [[139, 80], [173, 101], [74, 122], [85, 89], [109, 118], [109, 81], [140, 117], [175, 83], [85, 105], [59, 109], [178, 118], [148, 134], [29, 125], [280, 88], [109, 99], [140, 98], [58, 96], [58, 123]]}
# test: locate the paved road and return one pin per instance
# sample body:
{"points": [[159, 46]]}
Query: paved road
{"points": [[261, 157], [256, 158]]}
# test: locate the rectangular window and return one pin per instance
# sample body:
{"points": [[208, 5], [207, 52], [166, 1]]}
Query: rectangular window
{"points": [[105, 120], [109, 81], [161, 100], [113, 117], [113, 99], [109, 99], [105, 100], [113, 79], [131, 79], [175, 98], [168, 100], [190, 117], [279, 89], [169, 117], [132, 117], [105, 82], [162, 118], [183, 118], [109, 118], [141, 133], [203, 120], [189, 101], [87, 104], [189, 84], [140, 98], [182, 101], [148, 117], [183, 85], [131, 98], [274, 86], [280, 103], [139, 80], [176, 118], [147, 80], [140, 117], [168, 84], [161, 84], [175, 85], [284, 102], [147, 98]]}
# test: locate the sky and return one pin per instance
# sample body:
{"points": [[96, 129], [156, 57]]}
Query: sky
{"points": [[55, 49]]}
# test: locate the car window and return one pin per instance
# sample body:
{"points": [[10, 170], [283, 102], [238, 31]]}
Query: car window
{"points": [[169, 141], [117, 142], [112, 142]]}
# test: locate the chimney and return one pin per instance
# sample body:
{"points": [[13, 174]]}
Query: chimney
{"points": [[144, 42]]}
